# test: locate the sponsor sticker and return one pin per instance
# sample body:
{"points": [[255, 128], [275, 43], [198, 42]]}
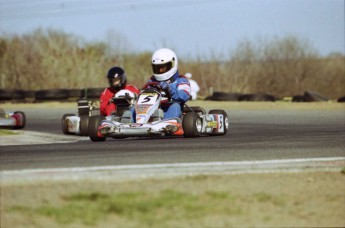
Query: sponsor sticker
{"points": [[212, 124], [142, 109]]}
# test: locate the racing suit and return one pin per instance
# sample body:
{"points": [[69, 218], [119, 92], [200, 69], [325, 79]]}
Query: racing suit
{"points": [[107, 107], [180, 93]]}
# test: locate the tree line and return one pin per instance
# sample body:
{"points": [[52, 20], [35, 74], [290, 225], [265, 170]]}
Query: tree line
{"points": [[49, 59]]}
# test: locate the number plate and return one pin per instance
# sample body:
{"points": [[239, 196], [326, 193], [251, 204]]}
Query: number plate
{"points": [[147, 98]]}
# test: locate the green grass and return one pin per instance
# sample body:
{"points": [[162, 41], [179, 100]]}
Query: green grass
{"points": [[343, 170], [264, 200], [8, 132], [168, 205]]}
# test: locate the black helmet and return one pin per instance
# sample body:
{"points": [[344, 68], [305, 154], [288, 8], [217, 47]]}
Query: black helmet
{"points": [[116, 78]]}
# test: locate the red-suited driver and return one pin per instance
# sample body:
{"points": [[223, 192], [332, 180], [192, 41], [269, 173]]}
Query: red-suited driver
{"points": [[117, 82]]}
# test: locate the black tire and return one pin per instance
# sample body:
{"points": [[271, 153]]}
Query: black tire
{"points": [[310, 96], [22, 118], [94, 123], [257, 97], [74, 94], [192, 125], [64, 124], [84, 125], [298, 98], [224, 122], [341, 99], [6, 94], [91, 93], [11, 94], [196, 109], [29, 95], [52, 94], [222, 96], [209, 98]]}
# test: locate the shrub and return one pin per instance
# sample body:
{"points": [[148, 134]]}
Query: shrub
{"points": [[282, 66]]}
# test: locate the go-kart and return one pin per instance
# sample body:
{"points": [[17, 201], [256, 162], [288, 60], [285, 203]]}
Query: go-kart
{"points": [[149, 118], [12, 120], [77, 124]]}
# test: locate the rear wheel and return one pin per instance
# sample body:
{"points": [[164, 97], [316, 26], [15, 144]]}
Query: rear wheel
{"points": [[94, 123], [22, 119], [65, 124], [224, 121], [192, 125], [196, 109], [84, 125]]}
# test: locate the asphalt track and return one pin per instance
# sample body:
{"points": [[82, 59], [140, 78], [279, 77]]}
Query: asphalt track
{"points": [[253, 136]]}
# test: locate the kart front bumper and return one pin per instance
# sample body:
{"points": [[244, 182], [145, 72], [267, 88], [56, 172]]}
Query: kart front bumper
{"points": [[159, 128]]}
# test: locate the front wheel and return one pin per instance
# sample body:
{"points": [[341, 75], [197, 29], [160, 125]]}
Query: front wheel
{"points": [[64, 123], [84, 125], [224, 122], [192, 125], [21, 119], [94, 123]]}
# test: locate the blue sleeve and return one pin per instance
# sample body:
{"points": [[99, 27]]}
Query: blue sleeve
{"points": [[180, 90]]}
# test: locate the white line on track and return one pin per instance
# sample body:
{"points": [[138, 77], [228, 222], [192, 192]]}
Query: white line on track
{"points": [[195, 165]]}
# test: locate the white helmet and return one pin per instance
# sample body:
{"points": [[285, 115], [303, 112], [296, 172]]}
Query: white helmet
{"points": [[188, 75], [164, 64]]}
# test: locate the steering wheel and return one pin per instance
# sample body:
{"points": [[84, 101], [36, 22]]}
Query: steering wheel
{"points": [[157, 86]]}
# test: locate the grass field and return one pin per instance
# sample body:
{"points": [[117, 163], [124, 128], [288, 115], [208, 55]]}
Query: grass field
{"points": [[307, 199]]}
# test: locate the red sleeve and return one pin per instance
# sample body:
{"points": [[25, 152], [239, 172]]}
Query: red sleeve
{"points": [[133, 89], [106, 108]]}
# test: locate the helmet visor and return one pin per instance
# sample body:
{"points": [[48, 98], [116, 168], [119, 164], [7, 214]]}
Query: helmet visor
{"points": [[161, 68], [115, 82]]}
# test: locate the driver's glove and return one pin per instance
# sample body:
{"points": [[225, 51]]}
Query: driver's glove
{"points": [[164, 85]]}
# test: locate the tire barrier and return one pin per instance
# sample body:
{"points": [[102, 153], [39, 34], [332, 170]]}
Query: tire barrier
{"points": [[298, 98], [11, 94], [309, 96], [74, 94], [313, 96], [53, 94], [30, 95], [91, 93], [257, 97], [341, 99], [222, 96], [14, 95]]}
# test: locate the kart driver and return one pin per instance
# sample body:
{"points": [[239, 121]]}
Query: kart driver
{"points": [[117, 82], [165, 71]]}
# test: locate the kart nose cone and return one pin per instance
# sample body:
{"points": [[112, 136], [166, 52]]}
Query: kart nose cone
{"points": [[105, 130], [169, 129]]}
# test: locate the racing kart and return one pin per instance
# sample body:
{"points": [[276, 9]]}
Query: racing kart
{"points": [[149, 120], [77, 124], [12, 120]]}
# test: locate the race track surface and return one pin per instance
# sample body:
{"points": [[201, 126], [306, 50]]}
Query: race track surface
{"points": [[253, 136]]}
